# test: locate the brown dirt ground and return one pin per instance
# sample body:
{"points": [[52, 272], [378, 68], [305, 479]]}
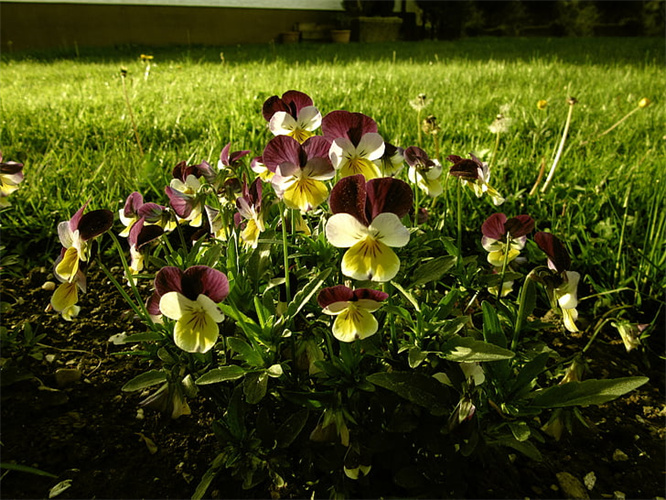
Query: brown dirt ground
{"points": [[88, 431]]}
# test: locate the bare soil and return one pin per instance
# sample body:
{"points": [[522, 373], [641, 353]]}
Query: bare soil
{"points": [[91, 433]]}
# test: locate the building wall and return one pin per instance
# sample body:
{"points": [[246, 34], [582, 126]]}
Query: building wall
{"points": [[27, 25]]}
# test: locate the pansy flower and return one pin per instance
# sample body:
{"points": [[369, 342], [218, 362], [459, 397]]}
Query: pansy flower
{"points": [[476, 174], [300, 170], [184, 193], [356, 147], [504, 239], [140, 234], [367, 221], [190, 298], [352, 310], [11, 175], [561, 284], [152, 213], [259, 167], [423, 171], [249, 209], [75, 236], [293, 115], [392, 160]]}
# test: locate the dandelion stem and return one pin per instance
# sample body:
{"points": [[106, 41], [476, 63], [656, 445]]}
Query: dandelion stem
{"points": [[123, 75], [571, 102]]}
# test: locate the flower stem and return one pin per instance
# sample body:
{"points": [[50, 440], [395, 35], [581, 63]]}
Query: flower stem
{"points": [[285, 252], [505, 261], [459, 220], [522, 300], [571, 102]]}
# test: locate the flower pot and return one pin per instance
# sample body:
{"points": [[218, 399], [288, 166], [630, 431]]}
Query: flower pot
{"points": [[340, 36]]}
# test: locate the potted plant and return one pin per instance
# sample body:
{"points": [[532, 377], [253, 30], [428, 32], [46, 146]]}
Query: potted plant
{"points": [[342, 31], [373, 21]]}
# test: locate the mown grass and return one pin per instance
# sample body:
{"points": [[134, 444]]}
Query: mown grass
{"points": [[64, 115]]}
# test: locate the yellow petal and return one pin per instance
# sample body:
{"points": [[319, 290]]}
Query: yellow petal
{"points": [[357, 165], [196, 331], [69, 265], [370, 259], [353, 323], [305, 194], [65, 296], [250, 235], [496, 258]]}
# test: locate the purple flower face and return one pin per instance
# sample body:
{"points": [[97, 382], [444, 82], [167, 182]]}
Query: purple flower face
{"points": [[367, 221], [190, 297], [249, 209], [476, 174], [352, 309], [423, 171], [504, 239], [558, 257], [292, 115], [299, 170]]}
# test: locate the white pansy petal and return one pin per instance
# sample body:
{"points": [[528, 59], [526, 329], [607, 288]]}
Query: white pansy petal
{"points": [[567, 293], [368, 304], [336, 307], [340, 149], [282, 123], [344, 230], [309, 118], [371, 146], [174, 305], [388, 228], [65, 234], [210, 308]]}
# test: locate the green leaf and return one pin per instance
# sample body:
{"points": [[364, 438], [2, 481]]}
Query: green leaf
{"points": [[255, 386], [468, 349], [407, 295], [221, 374], [520, 430], [142, 337], [305, 294], [587, 392], [492, 329], [415, 387], [246, 352], [26, 468], [432, 270], [524, 447], [291, 428], [144, 380], [527, 374]]}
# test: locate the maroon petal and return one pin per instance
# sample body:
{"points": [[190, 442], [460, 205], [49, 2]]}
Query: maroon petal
{"points": [[168, 279], [207, 281], [151, 211], [95, 223], [237, 155], [317, 147], [153, 304], [142, 233], [387, 194], [10, 167], [345, 124], [132, 204], [493, 227], [333, 294], [272, 105], [283, 149], [518, 226], [224, 155], [76, 218], [181, 203], [368, 293], [465, 169], [554, 249], [415, 155], [296, 100], [349, 196]]}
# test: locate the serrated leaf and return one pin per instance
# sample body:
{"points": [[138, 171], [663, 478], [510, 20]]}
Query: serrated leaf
{"points": [[415, 387], [432, 270], [468, 349], [221, 374], [587, 392], [291, 428], [246, 352], [147, 379], [306, 293], [407, 295]]}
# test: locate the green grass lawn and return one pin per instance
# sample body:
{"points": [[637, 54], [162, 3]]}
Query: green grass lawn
{"points": [[65, 117]]}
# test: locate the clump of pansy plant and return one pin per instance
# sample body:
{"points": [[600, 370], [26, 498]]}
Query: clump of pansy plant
{"points": [[560, 282], [230, 308], [352, 310], [367, 221], [76, 237], [11, 175], [475, 174]]}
